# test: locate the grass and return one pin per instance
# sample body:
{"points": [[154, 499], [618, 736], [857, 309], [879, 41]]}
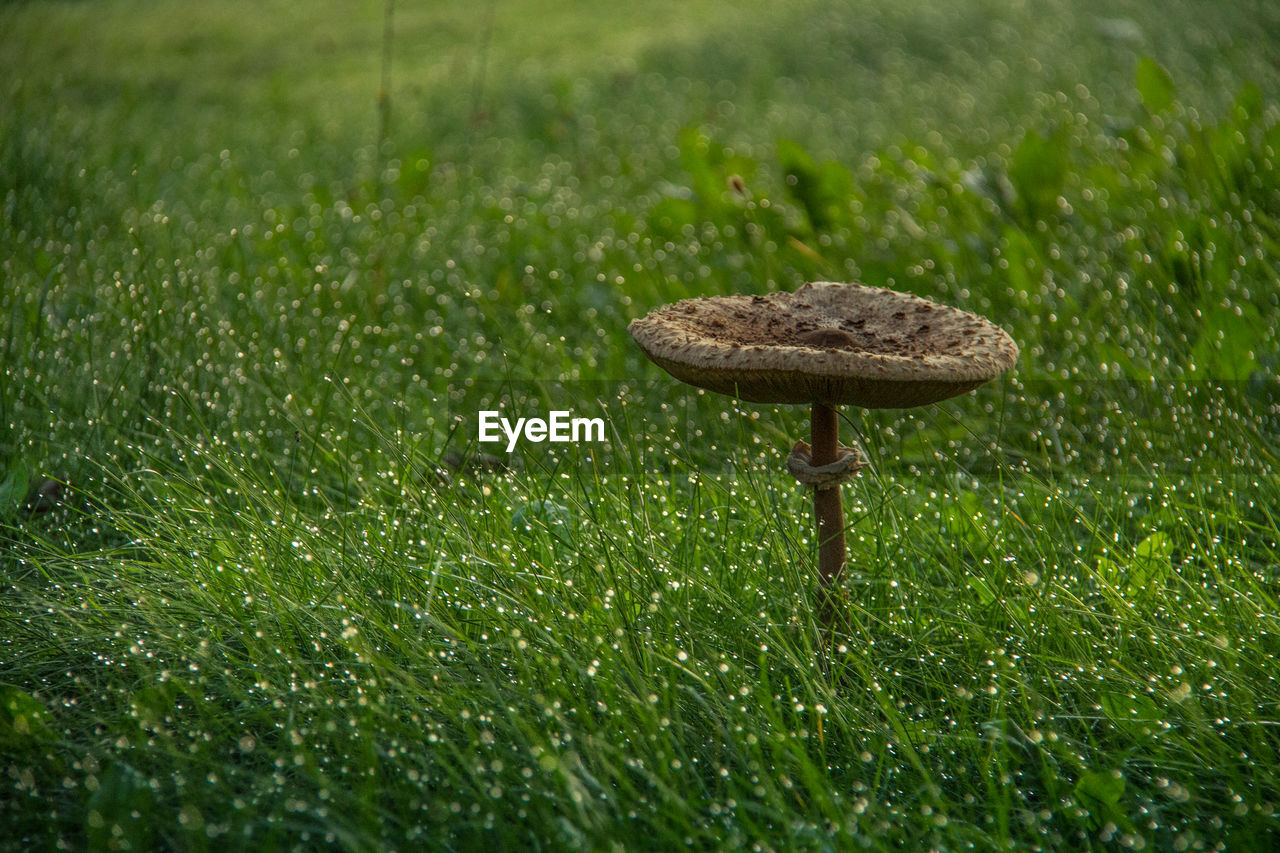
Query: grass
{"points": [[269, 613]]}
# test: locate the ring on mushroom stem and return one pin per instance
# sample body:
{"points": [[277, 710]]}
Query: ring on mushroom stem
{"points": [[826, 345]]}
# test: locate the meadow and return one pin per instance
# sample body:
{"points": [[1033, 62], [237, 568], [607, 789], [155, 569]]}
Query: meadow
{"points": [[262, 265]]}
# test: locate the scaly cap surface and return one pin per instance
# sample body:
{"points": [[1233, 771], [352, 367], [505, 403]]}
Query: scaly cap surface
{"points": [[826, 343]]}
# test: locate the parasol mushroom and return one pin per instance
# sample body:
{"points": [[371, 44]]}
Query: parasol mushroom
{"points": [[826, 345]]}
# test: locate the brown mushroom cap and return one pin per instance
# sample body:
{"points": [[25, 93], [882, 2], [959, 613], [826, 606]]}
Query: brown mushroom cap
{"points": [[826, 343]]}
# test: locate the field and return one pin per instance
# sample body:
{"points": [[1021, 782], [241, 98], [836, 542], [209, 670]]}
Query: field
{"points": [[262, 265]]}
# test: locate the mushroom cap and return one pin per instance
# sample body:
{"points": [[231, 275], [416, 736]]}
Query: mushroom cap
{"points": [[826, 343]]}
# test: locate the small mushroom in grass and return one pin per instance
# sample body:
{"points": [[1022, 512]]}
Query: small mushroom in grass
{"points": [[826, 345]]}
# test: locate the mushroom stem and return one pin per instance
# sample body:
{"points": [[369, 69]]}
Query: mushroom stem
{"points": [[824, 435]]}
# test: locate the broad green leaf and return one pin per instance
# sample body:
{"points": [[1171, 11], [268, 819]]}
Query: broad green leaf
{"points": [[1038, 172], [1225, 349], [1152, 562], [1109, 570], [22, 718], [1024, 263], [1155, 86], [823, 189], [118, 816], [1248, 105], [699, 156], [1100, 791], [1137, 714], [1103, 786], [13, 488]]}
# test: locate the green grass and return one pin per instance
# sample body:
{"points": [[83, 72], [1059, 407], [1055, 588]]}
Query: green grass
{"points": [[267, 614]]}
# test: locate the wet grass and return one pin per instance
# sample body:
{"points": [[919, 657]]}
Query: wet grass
{"points": [[276, 608]]}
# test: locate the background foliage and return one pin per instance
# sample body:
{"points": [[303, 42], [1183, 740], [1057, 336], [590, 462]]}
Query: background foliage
{"points": [[255, 595]]}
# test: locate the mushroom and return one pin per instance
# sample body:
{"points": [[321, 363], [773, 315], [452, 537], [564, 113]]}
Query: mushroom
{"points": [[826, 345]]}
